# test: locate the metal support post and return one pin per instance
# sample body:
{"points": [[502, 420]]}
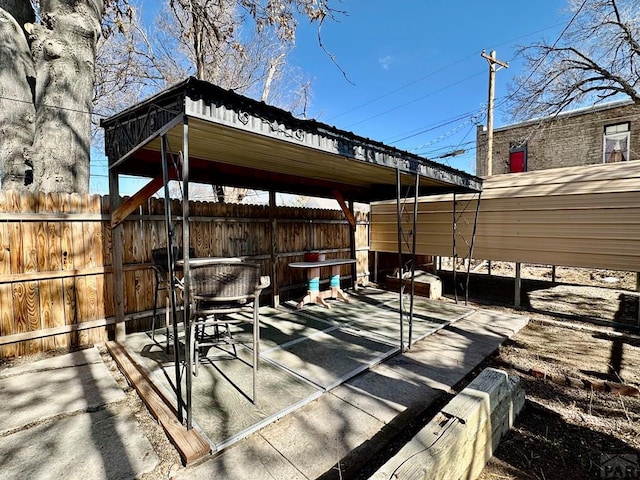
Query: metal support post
{"points": [[413, 255], [400, 267], [171, 274], [454, 254], [517, 286], [186, 270]]}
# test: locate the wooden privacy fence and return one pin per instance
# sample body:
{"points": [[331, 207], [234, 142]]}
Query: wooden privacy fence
{"points": [[56, 280]]}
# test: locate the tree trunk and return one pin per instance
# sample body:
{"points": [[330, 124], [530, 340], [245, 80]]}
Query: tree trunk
{"points": [[17, 112], [64, 49]]}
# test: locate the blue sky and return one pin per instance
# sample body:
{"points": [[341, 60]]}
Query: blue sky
{"points": [[416, 66], [418, 81]]}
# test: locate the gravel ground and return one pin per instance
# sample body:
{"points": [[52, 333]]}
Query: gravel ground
{"points": [[583, 330]]}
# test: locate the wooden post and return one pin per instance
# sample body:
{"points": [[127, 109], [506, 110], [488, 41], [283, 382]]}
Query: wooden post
{"points": [[489, 267], [638, 290], [435, 261], [492, 80], [117, 252], [518, 286], [273, 221], [376, 260], [553, 274]]}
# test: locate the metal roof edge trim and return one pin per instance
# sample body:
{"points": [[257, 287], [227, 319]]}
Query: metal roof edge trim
{"points": [[166, 93], [163, 130]]}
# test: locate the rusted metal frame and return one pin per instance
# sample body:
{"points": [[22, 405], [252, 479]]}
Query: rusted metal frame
{"points": [[457, 216], [400, 265], [413, 257], [159, 133], [274, 254], [473, 239], [125, 131], [171, 272], [186, 271], [401, 202]]}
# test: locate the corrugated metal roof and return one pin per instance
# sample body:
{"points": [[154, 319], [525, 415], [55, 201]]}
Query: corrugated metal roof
{"points": [[234, 140]]}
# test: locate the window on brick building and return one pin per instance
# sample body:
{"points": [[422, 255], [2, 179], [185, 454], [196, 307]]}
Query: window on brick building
{"points": [[517, 159], [616, 143]]}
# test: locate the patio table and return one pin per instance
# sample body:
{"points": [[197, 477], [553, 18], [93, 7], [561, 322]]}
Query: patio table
{"points": [[314, 295]]}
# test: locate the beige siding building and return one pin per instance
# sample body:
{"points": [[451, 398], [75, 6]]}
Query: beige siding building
{"points": [[605, 133], [572, 217]]}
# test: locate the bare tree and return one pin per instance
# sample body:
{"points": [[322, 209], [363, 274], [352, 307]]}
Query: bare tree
{"points": [[127, 68], [48, 53], [228, 46], [595, 58], [236, 46]]}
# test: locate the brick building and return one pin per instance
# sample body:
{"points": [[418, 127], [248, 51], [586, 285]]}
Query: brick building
{"points": [[599, 134]]}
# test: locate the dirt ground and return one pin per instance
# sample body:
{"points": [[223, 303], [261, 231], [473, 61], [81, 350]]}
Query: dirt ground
{"points": [[583, 420]]}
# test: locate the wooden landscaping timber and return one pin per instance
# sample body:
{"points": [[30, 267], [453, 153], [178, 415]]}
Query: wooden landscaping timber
{"points": [[462, 437], [190, 444]]}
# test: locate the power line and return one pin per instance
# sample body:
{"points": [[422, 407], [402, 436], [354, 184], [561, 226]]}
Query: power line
{"points": [[415, 100], [407, 85], [413, 82], [430, 127], [54, 107], [539, 63], [430, 74]]}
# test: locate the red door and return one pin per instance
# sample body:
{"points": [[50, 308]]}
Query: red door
{"points": [[518, 161]]}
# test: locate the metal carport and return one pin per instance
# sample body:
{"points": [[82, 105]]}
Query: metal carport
{"points": [[197, 132]]}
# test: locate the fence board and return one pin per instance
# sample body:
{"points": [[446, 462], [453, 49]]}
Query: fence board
{"points": [[6, 308], [30, 264]]}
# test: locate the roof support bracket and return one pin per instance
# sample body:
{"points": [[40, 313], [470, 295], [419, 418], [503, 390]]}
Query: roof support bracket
{"points": [[141, 196], [345, 208]]}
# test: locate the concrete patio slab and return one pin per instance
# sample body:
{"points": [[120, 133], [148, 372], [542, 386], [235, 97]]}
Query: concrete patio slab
{"points": [[65, 418], [101, 445], [317, 437], [46, 389], [385, 394], [297, 430], [253, 458]]}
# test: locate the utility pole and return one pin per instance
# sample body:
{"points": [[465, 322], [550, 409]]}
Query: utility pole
{"points": [[493, 61]]}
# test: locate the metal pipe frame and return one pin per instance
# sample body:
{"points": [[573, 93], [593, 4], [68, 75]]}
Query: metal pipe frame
{"points": [[171, 273]]}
